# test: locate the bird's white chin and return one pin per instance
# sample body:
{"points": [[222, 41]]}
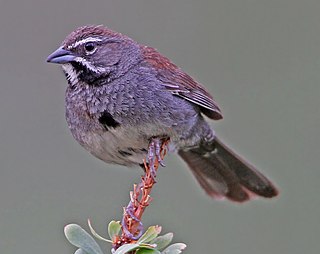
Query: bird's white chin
{"points": [[71, 73]]}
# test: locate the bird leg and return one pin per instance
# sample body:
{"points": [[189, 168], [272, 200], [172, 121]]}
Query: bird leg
{"points": [[156, 153]]}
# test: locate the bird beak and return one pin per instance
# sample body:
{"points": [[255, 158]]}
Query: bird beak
{"points": [[61, 56]]}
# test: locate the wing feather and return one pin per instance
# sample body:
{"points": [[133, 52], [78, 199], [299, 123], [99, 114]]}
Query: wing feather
{"points": [[181, 84]]}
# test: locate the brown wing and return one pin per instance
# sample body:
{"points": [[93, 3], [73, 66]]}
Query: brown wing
{"points": [[181, 84]]}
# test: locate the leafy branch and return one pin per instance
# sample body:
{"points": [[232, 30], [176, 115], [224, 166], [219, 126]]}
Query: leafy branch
{"points": [[127, 236]]}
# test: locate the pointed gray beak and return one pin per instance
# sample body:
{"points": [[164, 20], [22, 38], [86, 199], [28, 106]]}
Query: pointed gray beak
{"points": [[61, 56]]}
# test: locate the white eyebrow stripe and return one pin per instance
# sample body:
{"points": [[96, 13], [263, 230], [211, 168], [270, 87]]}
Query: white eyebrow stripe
{"points": [[83, 41]]}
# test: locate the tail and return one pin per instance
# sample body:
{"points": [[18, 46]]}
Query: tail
{"points": [[222, 173]]}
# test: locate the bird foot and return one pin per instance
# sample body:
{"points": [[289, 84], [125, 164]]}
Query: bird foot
{"points": [[154, 155]]}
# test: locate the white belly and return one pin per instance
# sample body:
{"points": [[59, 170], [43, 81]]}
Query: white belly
{"points": [[122, 145]]}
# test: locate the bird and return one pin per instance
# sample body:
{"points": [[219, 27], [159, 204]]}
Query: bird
{"points": [[122, 95]]}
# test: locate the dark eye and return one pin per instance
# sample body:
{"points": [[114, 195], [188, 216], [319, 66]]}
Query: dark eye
{"points": [[90, 47]]}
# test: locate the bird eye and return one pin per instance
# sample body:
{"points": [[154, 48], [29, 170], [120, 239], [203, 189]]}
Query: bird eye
{"points": [[90, 47]]}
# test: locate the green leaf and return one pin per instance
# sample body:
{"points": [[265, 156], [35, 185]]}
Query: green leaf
{"points": [[81, 239], [80, 251], [136, 246], [162, 241], [151, 233], [175, 248], [114, 228], [126, 248], [147, 251], [96, 235]]}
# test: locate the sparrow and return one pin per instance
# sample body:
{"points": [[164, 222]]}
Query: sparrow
{"points": [[121, 95]]}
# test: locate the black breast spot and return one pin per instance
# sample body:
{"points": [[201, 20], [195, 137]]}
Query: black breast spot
{"points": [[108, 121]]}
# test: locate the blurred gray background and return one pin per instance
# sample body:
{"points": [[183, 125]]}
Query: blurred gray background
{"points": [[261, 61]]}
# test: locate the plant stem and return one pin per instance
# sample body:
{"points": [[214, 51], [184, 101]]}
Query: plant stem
{"points": [[140, 197]]}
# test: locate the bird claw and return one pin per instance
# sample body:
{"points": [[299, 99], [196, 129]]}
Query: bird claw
{"points": [[154, 155]]}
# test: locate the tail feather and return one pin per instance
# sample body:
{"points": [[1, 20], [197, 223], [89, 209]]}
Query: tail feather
{"points": [[210, 180], [222, 173]]}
